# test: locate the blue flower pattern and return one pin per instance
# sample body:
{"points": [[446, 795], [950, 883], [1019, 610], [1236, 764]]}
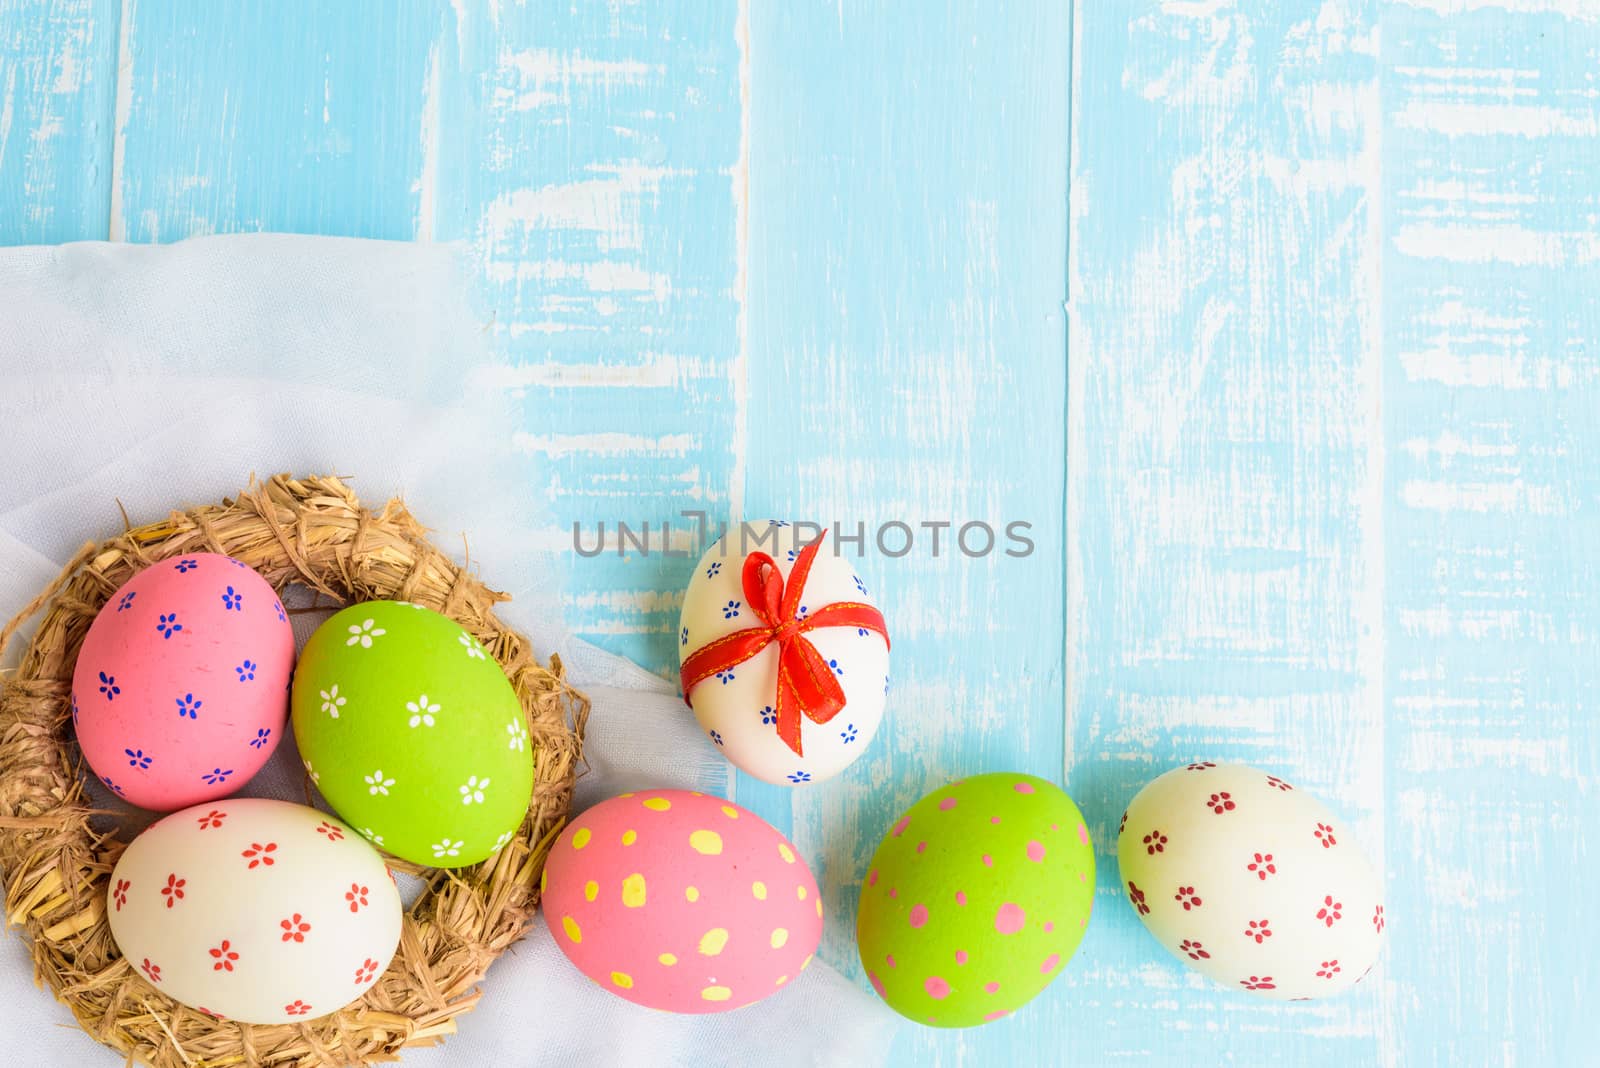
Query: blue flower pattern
{"points": [[279, 606], [127, 600], [792, 554], [683, 639], [862, 586], [837, 670], [169, 625], [186, 565], [261, 738], [716, 737], [216, 775], [886, 684], [138, 759], [233, 602], [109, 687], [730, 610], [769, 716], [777, 522], [107, 780], [799, 776], [848, 735], [711, 572], [188, 706], [725, 676], [802, 613], [74, 710], [246, 670]]}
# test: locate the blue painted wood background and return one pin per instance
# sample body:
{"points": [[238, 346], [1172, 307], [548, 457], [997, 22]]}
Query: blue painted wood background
{"points": [[1277, 321]]}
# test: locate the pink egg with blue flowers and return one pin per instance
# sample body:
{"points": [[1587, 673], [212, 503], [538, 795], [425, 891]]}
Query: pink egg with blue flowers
{"points": [[182, 684]]}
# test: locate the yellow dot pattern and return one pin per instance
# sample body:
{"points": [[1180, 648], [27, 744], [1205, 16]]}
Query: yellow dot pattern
{"points": [[779, 937], [692, 893], [622, 979], [730, 812], [781, 980], [807, 962], [633, 891], [544, 880], [716, 993], [819, 907], [785, 852], [591, 890], [669, 959], [706, 842], [630, 837], [800, 892], [570, 925], [712, 941], [760, 890], [657, 804], [580, 838]]}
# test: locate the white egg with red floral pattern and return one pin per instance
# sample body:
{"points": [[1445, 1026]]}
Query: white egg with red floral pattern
{"points": [[738, 708], [255, 910], [1251, 881]]}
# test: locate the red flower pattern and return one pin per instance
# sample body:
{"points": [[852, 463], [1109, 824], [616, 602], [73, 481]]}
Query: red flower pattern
{"points": [[1221, 803], [173, 891], [223, 957], [1262, 865], [1329, 912], [1324, 835], [1124, 824], [212, 819], [1329, 969], [260, 854], [334, 834], [119, 893], [1258, 982], [1377, 920], [1259, 930], [1155, 842], [365, 973], [1186, 897], [208, 1012], [1273, 780], [152, 972], [1136, 896], [294, 928], [297, 1008], [1201, 765], [357, 896], [1195, 950]]}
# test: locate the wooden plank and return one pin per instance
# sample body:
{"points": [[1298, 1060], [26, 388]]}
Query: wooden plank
{"points": [[1226, 478], [907, 276], [1491, 313], [243, 116], [590, 154], [57, 86]]}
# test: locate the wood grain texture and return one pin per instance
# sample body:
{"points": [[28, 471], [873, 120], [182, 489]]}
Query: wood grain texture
{"points": [[907, 363], [58, 81]]}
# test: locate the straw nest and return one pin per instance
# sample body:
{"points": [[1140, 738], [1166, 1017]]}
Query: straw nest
{"points": [[55, 865]]}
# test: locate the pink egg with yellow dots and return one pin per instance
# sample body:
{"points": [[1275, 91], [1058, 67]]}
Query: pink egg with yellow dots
{"points": [[182, 683], [679, 901]]}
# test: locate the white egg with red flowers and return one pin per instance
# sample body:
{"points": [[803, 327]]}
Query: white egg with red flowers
{"points": [[255, 910], [738, 707]]}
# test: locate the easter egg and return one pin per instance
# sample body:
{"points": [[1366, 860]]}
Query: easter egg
{"points": [[182, 682], [413, 734], [255, 910], [1250, 881], [760, 599], [679, 901], [976, 899]]}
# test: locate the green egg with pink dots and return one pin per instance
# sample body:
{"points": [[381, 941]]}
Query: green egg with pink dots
{"points": [[976, 899], [411, 731]]}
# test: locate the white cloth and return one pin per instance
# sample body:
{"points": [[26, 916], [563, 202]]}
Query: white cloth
{"points": [[162, 376]]}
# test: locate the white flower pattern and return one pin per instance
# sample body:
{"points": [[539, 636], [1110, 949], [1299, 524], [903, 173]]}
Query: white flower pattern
{"points": [[362, 635], [331, 701], [500, 843], [421, 711], [377, 784], [446, 848], [472, 791], [367, 833], [474, 650], [311, 771], [519, 735]]}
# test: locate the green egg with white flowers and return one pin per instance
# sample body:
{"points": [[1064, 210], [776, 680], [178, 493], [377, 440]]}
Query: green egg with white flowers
{"points": [[412, 732]]}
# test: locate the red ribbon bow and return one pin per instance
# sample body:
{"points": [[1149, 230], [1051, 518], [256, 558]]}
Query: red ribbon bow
{"points": [[806, 684]]}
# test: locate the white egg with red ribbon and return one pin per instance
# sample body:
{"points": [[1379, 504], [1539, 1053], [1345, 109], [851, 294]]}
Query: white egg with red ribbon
{"points": [[784, 656]]}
